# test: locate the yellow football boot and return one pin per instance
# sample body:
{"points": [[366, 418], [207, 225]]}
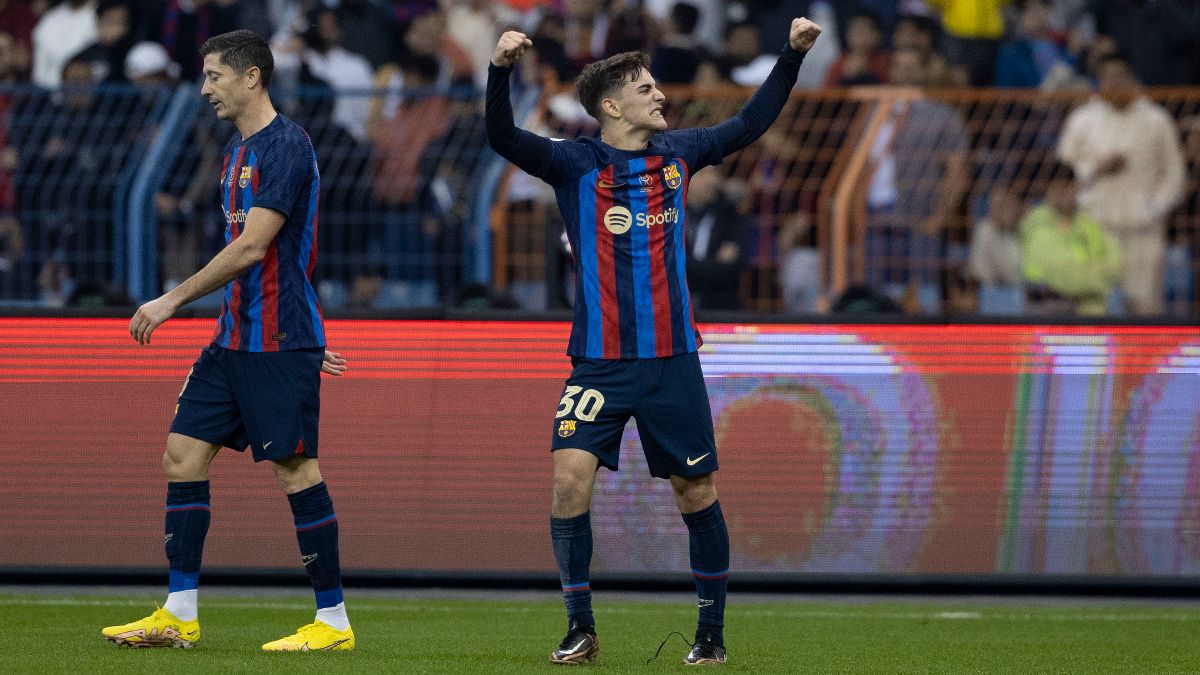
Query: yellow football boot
{"points": [[317, 636], [160, 629]]}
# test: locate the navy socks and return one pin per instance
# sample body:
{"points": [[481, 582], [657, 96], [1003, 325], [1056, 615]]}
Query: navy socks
{"points": [[187, 518], [708, 542], [572, 538], [317, 533]]}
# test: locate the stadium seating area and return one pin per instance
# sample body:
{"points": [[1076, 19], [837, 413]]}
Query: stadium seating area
{"points": [[108, 156]]}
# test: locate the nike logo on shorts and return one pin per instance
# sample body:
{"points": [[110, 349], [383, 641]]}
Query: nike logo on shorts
{"points": [[694, 462]]}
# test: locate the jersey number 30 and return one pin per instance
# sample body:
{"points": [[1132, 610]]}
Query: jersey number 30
{"points": [[588, 407]]}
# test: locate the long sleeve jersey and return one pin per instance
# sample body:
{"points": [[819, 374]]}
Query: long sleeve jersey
{"points": [[624, 216]]}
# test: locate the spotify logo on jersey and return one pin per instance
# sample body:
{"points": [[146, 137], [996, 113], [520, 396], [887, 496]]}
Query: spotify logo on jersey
{"points": [[618, 219]]}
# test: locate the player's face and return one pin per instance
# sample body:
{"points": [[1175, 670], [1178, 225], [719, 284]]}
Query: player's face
{"points": [[642, 103], [223, 88]]}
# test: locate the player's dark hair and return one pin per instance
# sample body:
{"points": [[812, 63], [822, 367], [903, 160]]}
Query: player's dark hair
{"points": [[242, 50], [600, 78]]}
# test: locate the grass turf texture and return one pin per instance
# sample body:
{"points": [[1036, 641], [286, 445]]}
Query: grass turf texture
{"points": [[57, 633]]}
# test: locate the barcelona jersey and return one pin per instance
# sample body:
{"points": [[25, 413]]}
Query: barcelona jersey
{"points": [[272, 306], [624, 216]]}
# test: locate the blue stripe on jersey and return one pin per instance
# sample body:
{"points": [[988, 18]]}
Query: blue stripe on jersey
{"points": [[623, 267], [685, 311], [588, 261], [640, 240], [226, 317], [252, 297]]}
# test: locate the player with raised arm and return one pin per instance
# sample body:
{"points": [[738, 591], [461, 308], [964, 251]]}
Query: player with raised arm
{"points": [[633, 344], [258, 383]]}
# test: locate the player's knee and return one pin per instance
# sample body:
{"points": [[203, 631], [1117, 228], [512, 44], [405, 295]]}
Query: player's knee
{"points": [[568, 487], [695, 494], [177, 468], [570, 492], [296, 474]]}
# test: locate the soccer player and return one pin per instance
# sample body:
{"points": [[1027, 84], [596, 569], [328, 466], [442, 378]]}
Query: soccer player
{"points": [[634, 342], [258, 383]]}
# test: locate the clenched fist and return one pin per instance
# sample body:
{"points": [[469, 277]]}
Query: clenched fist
{"points": [[511, 47], [803, 35]]}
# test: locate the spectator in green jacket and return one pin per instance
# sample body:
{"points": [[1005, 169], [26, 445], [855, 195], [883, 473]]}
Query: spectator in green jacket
{"points": [[1070, 264]]}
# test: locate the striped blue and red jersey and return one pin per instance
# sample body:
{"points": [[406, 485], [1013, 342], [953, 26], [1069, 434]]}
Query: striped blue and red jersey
{"points": [[272, 306], [625, 221], [624, 216]]}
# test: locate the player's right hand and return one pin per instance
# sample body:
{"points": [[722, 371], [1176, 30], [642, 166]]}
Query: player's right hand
{"points": [[510, 48], [150, 316], [803, 34], [333, 364]]}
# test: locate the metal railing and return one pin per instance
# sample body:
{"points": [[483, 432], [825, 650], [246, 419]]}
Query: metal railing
{"points": [[804, 191]]}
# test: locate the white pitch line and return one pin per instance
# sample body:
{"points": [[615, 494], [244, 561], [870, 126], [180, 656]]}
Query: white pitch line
{"points": [[758, 611]]}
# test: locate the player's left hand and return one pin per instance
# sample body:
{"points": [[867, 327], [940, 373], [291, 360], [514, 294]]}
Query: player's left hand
{"points": [[333, 364], [150, 316], [803, 35], [510, 48]]}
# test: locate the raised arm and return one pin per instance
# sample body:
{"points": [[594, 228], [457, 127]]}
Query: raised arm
{"points": [[764, 107], [530, 152]]}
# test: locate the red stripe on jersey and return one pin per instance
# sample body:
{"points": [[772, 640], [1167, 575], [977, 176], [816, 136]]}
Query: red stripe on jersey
{"points": [[270, 299], [660, 285], [225, 169], [235, 301], [606, 268]]}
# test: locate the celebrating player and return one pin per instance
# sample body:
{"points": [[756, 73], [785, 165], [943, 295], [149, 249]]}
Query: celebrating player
{"points": [[634, 342], [258, 383]]}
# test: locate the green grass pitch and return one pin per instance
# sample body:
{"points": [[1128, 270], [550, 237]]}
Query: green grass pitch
{"points": [[61, 633]]}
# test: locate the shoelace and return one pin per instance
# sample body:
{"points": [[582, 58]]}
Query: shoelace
{"points": [[664, 644]]}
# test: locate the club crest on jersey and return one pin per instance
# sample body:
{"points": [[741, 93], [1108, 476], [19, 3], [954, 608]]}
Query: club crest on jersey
{"points": [[566, 428], [647, 182], [244, 178], [671, 177]]}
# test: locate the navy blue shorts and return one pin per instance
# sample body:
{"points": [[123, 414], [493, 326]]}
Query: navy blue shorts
{"points": [[667, 399], [270, 401]]}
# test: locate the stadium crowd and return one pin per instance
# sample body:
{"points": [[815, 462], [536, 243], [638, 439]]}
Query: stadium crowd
{"points": [[406, 162]]}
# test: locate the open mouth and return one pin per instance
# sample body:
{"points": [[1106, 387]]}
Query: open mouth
{"points": [[657, 112]]}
